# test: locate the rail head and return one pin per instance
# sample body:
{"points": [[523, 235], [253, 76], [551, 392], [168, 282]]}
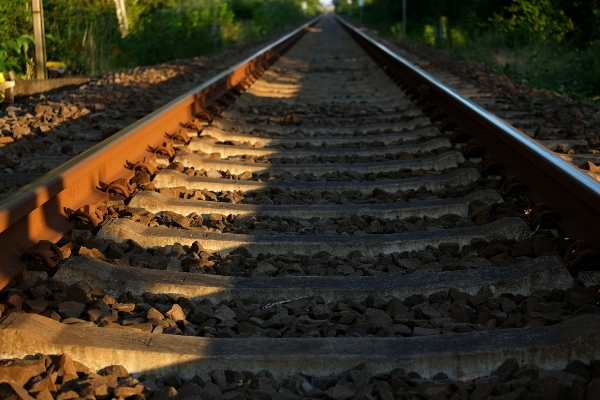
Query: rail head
{"points": [[561, 185], [39, 210]]}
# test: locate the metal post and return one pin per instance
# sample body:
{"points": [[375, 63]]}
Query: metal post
{"points": [[40, 39], [404, 18]]}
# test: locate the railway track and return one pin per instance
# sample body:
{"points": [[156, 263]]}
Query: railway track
{"points": [[323, 220]]}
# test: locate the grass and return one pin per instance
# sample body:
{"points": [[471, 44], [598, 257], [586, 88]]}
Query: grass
{"points": [[561, 69]]}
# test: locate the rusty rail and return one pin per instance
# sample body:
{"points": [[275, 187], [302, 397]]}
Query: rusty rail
{"points": [[39, 210], [560, 185]]}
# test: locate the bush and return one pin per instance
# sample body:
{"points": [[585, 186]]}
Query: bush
{"points": [[261, 17], [15, 19], [396, 31], [535, 20], [14, 56], [15, 36], [85, 35], [179, 30]]}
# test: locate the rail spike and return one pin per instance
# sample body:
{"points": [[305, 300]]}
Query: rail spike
{"points": [[90, 214], [165, 149], [147, 164], [511, 185], [44, 251], [120, 187], [541, 212], [195, 124], [181, 135], [577, 252]]}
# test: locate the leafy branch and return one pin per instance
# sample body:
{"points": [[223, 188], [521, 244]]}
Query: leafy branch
{"points": [[14, 54]]}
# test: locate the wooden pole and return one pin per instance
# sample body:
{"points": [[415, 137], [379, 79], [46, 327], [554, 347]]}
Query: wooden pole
{"points": [[40, 38], [122, 17]]}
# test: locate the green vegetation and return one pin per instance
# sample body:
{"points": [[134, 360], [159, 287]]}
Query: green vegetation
{"points": [[260, 17], [14, 55], [14, 41], [554, 44], [85, 34]]}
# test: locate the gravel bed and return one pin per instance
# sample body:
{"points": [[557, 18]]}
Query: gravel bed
{"points": [[243, 158], [324, 110], [319, 159], [334, 176], [351, 158], [264, 225], [480, 214], [59, 377], [306, 145], [239, 262], [354, 225], [295, 119], [265, 132], [286, 196], [443, 312], [356, 158]]}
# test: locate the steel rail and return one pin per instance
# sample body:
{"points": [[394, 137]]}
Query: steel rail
{"points": [[39, 210], [560, 185]]}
